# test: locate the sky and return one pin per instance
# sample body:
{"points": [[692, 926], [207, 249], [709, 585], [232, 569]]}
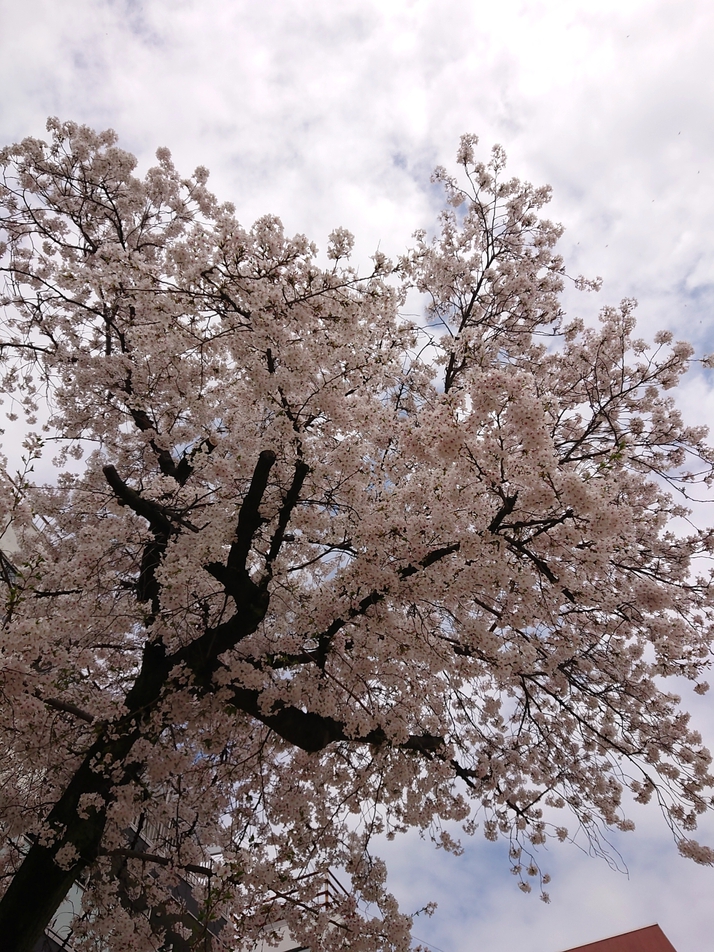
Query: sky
{"points": [[333, 113]]}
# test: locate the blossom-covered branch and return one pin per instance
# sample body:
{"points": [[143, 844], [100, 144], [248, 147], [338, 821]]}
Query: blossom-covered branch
{"points": [[307, 572]]}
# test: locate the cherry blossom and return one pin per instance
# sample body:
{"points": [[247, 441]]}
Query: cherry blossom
{"points": [[308, 573]]}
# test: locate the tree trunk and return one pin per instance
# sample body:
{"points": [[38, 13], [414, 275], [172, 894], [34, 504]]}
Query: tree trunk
{"points": [[40, 884]]}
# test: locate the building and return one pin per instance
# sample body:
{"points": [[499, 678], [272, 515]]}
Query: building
{"points": [[649, 939]]}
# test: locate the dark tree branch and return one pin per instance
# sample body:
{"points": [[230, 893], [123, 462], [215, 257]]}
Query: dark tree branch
{"points": [[249, 518], [539, 563], [436, 556], [313, 732], [180, 471], [506, 509], [62, 591], [324, 640], [147, 587], [66, 708], [155, 515], [164, 458], [233, 576], [289, 503], [202, 656]]}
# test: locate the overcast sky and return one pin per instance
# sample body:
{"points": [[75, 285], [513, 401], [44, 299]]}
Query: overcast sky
{"points": [[334, 112]]}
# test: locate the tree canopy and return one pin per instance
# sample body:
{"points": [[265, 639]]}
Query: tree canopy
{"points": [[307, 572]]}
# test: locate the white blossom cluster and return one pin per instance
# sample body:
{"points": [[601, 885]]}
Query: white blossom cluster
{"points": [[309, 573]]}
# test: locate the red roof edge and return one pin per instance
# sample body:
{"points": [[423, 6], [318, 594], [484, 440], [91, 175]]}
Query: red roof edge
{"points": [[649, 939]]}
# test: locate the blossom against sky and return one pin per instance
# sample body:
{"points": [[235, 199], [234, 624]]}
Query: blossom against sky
{"points": [[334, 115]]}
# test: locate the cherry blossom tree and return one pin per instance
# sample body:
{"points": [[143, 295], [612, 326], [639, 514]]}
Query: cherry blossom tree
{"points": [[306, 573]]}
